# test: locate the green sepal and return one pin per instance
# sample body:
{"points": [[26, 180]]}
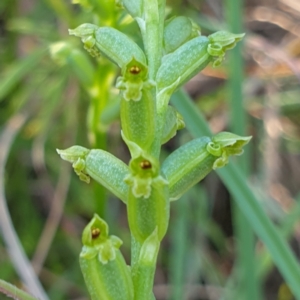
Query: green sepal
{"points": [[220, 42], [102, 166], [104, 269], [144, 172], [177, 31], [174, 121], [133, 80], [147, 213], [110, 42]]}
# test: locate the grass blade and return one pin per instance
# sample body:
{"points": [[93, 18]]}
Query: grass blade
{"points": [[236, 183], [17, 71]]}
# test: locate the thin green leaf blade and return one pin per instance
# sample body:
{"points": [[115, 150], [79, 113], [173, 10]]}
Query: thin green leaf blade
{"points": [[235, 181], [13, 76]]}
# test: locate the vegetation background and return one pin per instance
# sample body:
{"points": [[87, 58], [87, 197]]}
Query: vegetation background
{"points": [[53, 95]]}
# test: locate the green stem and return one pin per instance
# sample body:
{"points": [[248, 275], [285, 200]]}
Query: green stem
{"points": [[152, 35], [13, 292]]}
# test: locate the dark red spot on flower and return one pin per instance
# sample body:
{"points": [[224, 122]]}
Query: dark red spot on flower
{"points": [[95, 233], [135, 70], [145, 164]]}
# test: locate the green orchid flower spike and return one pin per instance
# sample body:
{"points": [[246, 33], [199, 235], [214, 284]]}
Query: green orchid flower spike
{"points": [[173, 52]]}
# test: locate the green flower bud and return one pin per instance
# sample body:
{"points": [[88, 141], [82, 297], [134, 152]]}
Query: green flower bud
{"points": [[182, 64], [102, 166], [174, 121], [190, 163], [177, 31], [110, 42], [220, 42], [104, 269]]}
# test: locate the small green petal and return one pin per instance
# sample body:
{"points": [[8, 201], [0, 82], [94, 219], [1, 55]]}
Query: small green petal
{"points": [[84, 30], [225, 139], [214, 149], [88, 252], [116, 242], [107, 252], [215, 49], [73, 153], [226, 39], [220, 42]]}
